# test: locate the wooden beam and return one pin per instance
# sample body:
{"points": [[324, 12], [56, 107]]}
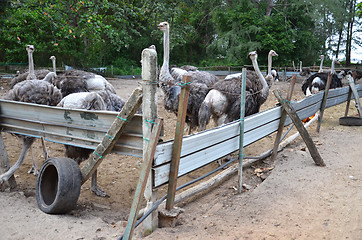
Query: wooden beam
{"points": [[142, 181], [303, 132], [113, 133], [282, 119], [176, 148]]}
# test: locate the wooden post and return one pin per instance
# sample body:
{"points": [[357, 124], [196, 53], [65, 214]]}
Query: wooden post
{"points": [[241, 141], [176, 147], [142, 181], [282, 119], [5, 166], [324, 101], [149, 113], [303, 132], [113, 134]]}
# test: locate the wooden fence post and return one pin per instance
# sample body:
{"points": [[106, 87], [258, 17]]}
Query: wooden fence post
{"points": [[149, 113]]}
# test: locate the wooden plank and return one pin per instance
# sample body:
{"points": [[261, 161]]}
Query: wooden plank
{"points": [[303, 132], [113, 134], [177, 144], [142, 181]]}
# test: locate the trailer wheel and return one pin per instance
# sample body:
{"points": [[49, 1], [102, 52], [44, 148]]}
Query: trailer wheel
{"points": [[58, 185], [350, 121]]}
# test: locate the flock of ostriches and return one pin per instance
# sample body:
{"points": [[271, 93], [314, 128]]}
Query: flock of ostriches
{"points": [[209, 97]]}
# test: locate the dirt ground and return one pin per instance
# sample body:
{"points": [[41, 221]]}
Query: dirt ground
{"points": [[294, 200]]}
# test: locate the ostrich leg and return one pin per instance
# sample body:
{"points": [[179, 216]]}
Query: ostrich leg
{"points": [[27, 142], [94, 188]]}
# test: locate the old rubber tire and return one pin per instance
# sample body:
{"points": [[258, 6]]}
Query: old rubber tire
{"points": [[350, 121], [58, 185]]}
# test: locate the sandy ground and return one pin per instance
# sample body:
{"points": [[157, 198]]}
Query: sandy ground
{"points": [[295, 200]]}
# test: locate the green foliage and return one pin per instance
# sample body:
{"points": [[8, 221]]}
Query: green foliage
{"points": [[88, 33]]}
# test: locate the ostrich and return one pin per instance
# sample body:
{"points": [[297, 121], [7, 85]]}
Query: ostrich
{"points": [[222, 103], [199, 86], [31, 91], [79, 81], [101, 100], [272, 74], [318, 81], [31, 73]]}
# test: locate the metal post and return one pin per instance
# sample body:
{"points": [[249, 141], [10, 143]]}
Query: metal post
{"points": [[241, 140]]}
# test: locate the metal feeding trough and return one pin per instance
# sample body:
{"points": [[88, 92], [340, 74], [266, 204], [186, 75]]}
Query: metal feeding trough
{"points": [[350, 121]]}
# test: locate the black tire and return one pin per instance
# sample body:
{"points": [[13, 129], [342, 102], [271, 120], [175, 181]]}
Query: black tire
{"points": [[58, 185], [350, 121]]}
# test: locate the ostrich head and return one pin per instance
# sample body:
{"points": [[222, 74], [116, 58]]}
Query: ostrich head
{"points": [[273, 53], [52, 58], [163, 26], [30, 48]]}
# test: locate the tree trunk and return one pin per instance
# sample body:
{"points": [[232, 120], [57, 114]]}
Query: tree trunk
{"points": [[269, 8], [350, 31], [339, 40]]}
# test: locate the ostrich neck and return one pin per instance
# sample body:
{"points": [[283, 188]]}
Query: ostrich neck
{"points": [[54, 66], [265, 90], [166, 53], [321, 66], [31, 74], [332, 68], [269, 64], [300, 66]]}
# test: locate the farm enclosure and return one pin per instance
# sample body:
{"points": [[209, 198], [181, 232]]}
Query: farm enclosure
{"points": [[203, 217]]}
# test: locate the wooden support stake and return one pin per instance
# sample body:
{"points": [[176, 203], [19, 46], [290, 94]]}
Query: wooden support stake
{"points": [[303, 132], [282, 119], [352, 86], [5, 166], [348, 102], [176, 148], [113, 134], [324, 102], [241, 140], [142, 181]]}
